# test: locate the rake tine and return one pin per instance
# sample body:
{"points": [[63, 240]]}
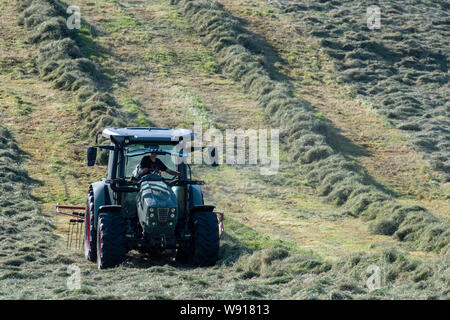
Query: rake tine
{"points": [[71, 233], [75, 234], [76, 242], [82, 235], [78, 235], [68, 236]]}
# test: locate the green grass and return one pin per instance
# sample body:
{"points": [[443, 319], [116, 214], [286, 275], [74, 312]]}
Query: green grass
{"points": [[409, 60], [121, 24], [85, 41], [309, 139], [22, 108], [255, 261], [253, 240], [134, 108], [169, 60]]}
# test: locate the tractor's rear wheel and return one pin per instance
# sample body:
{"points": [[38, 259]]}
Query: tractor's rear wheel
{"points": [[206, 239], [90, 233], [111, 241]]}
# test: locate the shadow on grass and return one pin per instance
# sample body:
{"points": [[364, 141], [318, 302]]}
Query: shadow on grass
{"points": [[258, 45], [84, 38], [231, 249]]}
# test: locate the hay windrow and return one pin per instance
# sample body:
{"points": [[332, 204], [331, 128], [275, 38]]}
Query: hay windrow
{"points": [[22, 223], [30, 270], [401, 68], [350, 277], [306, 136], [61, 61]]}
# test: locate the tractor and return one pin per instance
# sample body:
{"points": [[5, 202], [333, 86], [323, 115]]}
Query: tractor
{"points": [[157, 213]]}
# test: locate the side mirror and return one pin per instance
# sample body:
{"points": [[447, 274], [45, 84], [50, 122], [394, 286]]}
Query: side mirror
{"points": [[91, 156]]}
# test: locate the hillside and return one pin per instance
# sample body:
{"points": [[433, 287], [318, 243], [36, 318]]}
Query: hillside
{"points": [[363, 177]]}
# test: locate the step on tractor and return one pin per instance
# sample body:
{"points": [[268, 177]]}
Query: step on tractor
{"points": [[154, 212]]}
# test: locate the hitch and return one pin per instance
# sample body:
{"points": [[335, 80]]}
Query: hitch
{"points": [[76, 214], [75, 230]]}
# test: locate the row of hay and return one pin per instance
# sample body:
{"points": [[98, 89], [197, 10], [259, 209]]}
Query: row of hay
{"points": [[402, 68], [61, 61], [30, 267], [26, 235], [31, 263], [306, 136], [385, 275]]}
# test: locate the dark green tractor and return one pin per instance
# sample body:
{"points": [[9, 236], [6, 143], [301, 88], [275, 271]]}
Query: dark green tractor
{"points": [[155, 214]]}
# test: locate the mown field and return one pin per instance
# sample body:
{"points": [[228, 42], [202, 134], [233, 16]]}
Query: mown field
{"points": [[400, 68], [314, 231]]}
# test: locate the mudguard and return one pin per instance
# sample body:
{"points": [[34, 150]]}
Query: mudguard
{"points": [[202, 209], [114, 209], [196, 196], [100, 198]]}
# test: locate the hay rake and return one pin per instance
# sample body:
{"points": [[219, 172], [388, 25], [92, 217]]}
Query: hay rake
{"points": [[75, 230]]}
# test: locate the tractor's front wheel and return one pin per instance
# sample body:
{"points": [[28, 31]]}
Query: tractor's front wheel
{"points": [[111, 241], [90, 233], [206, 239]]}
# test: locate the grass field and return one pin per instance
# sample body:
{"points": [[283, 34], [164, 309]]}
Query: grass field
{"points": [[288, 236], [400, 68]]}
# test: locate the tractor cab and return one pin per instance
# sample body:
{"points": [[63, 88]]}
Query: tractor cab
{"points": [[152, 212]]}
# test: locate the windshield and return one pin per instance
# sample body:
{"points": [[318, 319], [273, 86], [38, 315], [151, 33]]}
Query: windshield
{"points": [[131, 162]]}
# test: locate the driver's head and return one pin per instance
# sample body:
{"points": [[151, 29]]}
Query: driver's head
{"points": [[153, 156]]}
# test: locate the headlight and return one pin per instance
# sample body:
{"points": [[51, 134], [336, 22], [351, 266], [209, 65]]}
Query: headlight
{"points": [[151, 215], [152, 209], [172, 210], [172, 215]]}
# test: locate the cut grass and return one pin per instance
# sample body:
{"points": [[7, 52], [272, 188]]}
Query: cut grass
{"points": [[61, 61], [229, 113], [252, 264], [402, 70], [307, 137]]}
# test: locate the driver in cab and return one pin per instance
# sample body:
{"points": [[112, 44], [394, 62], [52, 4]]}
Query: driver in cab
{"points": [[151, 164]]}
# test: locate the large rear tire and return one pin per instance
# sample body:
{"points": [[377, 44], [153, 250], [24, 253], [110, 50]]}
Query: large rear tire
{"points": [[90, 233], [111, 241], [206, 239]]}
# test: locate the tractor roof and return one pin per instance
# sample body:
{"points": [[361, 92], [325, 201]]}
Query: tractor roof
{"points": [[147, 134]]}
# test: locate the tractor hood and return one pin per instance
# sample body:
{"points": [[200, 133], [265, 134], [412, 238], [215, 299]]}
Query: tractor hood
{"points": [[157, 195], [157, 208]]}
